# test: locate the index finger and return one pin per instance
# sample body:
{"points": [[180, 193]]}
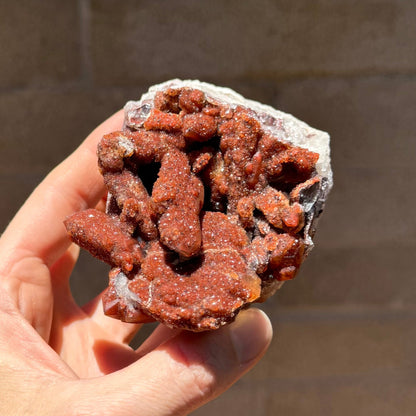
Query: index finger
{"points": [[76, 184]]}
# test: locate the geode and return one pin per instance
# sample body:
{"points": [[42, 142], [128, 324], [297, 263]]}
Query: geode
{"points": [[212, 204]]}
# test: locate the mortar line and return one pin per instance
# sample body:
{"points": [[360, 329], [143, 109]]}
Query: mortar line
{"points": [[84, 7], [362, 312]]}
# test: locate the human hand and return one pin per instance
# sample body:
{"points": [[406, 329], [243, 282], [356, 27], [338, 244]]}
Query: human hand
{"points": [[59, 358]]}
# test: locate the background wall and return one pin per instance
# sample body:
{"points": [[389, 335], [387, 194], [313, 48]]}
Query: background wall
{"points": [[346, 325]]}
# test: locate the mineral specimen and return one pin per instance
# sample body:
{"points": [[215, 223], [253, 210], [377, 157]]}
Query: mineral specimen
{"points": [[212, 205]]}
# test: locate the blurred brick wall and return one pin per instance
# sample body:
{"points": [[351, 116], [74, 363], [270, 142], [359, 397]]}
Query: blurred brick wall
{"points": [[346, 325]]}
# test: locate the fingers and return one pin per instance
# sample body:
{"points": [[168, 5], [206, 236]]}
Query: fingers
{"points": [[37, 230], [184, 372], [161, 334]]}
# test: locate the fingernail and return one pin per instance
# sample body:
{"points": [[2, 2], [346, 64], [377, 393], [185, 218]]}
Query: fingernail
{"points": [[251, 334]]}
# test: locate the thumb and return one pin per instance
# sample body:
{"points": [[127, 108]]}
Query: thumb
{"points": [[183, 373]]}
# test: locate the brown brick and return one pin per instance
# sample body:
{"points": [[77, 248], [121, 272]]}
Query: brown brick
{"points": [[226, 40], [382, 395], [329, 343], [40, 42], [337, 364], [370, 206], [372, 125], [40, 127], [371, 120], [366, 236], [375, 275]]}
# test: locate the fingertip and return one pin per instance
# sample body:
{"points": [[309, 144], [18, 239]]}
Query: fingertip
{"points": [[251, 334]]}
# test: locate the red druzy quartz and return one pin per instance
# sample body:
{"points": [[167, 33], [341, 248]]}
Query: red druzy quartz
{"points": [[213, 202]]}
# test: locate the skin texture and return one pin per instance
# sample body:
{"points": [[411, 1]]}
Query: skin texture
{"points": [[59, 358]]}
